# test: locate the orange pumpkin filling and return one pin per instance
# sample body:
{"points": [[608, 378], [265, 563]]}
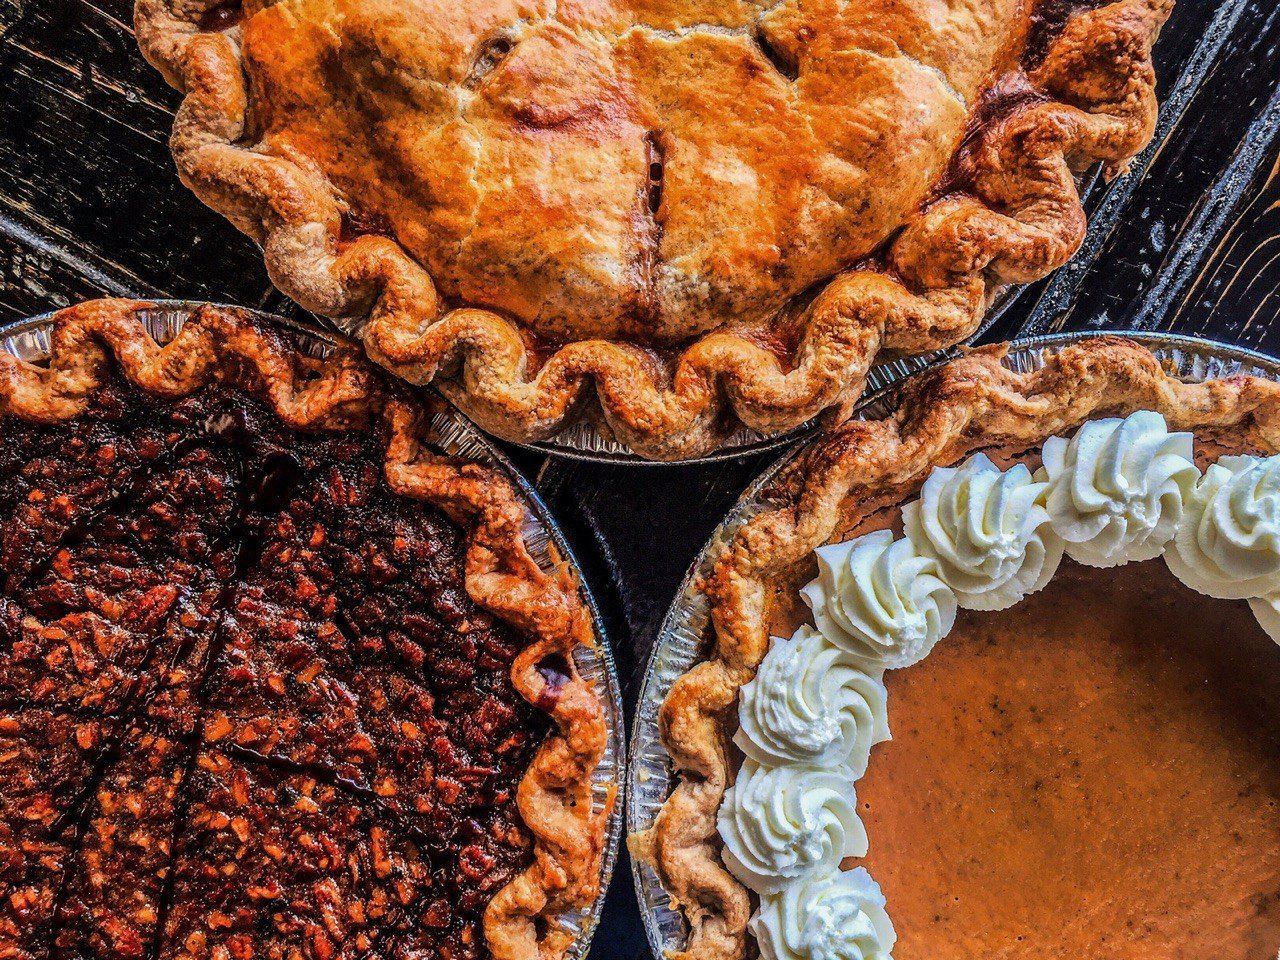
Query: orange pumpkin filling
{"points": [[1092, 773]]}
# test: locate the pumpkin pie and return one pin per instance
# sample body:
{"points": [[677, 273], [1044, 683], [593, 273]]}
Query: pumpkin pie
{"points": [[998, 675]]}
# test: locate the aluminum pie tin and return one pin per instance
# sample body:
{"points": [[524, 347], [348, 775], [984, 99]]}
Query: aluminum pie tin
{"points": [[686, 631], [450, 433]]}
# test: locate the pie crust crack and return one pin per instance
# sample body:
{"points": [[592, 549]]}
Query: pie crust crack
{"points": [[343, 393], [537, 278], [970, 404]]}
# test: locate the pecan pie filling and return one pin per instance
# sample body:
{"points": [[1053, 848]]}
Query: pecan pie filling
{"points": [[247, 707]]}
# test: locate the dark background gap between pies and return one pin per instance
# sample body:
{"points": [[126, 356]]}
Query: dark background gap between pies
{"points": [[90, 205]]}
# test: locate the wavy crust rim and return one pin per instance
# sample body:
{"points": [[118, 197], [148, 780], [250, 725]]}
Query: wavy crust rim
{"points": [[1017, 218], [967, 404], [342, 392]]}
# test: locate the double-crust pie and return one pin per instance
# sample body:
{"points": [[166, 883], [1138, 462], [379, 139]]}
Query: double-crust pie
{"points": [[276, 681], [682, 214], [996, 676]]}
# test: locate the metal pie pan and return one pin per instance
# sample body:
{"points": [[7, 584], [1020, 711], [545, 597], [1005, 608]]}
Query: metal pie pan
{"points": [[685, 633], [452, 434]]}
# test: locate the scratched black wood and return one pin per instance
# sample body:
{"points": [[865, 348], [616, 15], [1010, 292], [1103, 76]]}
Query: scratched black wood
{"points": [[89, 204]]}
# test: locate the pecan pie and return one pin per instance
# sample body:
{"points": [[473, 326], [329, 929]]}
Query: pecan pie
{"points": [[276, 680], [952, 734], [682, 215]]}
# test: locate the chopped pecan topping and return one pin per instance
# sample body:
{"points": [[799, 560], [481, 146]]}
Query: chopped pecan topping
{"points": [[247, 708]]}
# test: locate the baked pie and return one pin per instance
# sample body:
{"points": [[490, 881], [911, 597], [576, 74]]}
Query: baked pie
{"points": [[276, 681], [682, 215], [1023, 694]]}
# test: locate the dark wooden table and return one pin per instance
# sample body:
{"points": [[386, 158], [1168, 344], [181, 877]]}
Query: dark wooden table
{"points": [[89, 205]]}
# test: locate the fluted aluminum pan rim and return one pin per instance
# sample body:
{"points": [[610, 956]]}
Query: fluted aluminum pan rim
{"points": [[450, 432], [684, 635]]}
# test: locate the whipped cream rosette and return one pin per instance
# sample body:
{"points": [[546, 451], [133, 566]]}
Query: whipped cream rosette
{"points": [[880, 600], [1117, 488], [1229, 544], [988, 530], [782, 823], [811, 702], [839, 916]]}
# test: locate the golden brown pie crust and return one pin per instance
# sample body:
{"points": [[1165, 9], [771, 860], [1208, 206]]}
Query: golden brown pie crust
{"points": [[681, 208], [969, 404], [343, 392]]}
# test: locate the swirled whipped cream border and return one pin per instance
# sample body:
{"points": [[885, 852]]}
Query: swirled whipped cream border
{"points": [[977, 538]]}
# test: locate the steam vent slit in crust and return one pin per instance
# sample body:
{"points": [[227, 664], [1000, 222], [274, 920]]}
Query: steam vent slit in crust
{"points": [[272, 673], [675, 219], [996, 675]]}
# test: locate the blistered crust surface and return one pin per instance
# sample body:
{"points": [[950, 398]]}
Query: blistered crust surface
{"points": [[970, 404], [460, 181], [344, 393]]}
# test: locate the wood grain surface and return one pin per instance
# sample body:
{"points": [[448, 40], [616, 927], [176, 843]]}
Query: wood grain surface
{"points": [[90, 204]]}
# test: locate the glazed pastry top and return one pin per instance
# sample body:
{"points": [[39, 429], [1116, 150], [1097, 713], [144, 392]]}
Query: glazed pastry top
{"points": [[626, 169]]}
